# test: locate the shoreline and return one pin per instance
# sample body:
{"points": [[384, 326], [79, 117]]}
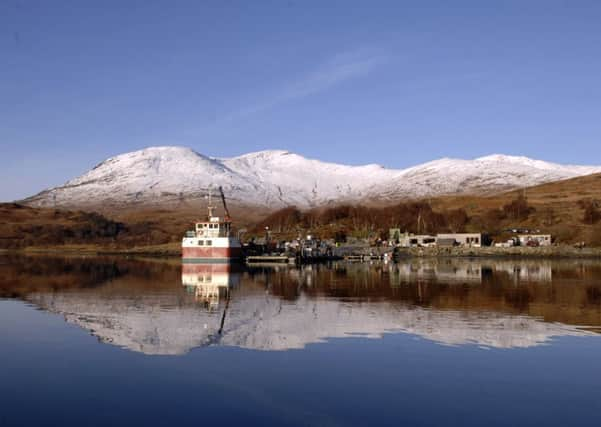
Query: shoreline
{"points": [[170, 251], [158, 252], [544, 252]]}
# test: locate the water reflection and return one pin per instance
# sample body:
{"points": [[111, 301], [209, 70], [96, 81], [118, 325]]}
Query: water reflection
{"points": [[210, 282], [159, 307], [465, 270]]}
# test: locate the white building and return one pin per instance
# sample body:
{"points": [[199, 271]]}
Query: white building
{"points": [[535, 239], [423, 240], [461, 239]]}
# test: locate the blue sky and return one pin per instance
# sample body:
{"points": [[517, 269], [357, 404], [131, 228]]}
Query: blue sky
{"points": [[395, 83]]}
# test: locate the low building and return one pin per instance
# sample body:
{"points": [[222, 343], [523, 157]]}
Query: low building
{"points": [[408, 240], [459, 239], [507, 244], [535, 239], [445, 242]]}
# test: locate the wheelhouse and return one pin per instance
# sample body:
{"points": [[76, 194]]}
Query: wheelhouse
{"points": [[213, 228]]}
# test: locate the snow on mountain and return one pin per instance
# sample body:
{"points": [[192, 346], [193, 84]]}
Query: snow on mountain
{"points": [[306, 182], [479, 176], [276, 178]]}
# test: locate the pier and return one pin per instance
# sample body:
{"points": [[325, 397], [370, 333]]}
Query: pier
{"points": [[261, 259]]}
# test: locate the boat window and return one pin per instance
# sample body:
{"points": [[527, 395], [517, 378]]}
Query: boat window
{"points": [[201, 242], [209, 242]]}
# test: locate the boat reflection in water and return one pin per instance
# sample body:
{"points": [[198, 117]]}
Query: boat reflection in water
{"points": [[210, 282], [169, 308]]}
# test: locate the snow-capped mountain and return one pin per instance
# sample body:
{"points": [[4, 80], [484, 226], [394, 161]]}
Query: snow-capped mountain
{"points": [[275, 178]]}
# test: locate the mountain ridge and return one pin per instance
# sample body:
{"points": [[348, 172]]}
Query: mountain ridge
{"points": [[171, 175]]}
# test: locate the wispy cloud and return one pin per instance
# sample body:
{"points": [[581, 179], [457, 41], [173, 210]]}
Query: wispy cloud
{"points": [[339, 68]]}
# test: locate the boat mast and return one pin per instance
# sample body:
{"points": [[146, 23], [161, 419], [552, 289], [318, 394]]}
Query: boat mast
{"points": [[210, 208], [227, 212]]}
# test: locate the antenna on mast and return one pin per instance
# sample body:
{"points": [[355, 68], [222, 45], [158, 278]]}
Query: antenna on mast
{"points": [[210, 207]]}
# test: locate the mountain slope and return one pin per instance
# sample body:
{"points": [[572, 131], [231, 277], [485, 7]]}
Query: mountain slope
{"points": [[164, 176], [480, 176]]}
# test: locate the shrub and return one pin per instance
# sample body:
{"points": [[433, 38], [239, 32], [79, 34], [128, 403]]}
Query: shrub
{"points": [[456, 220], [595, 239], [518, 209], [592, 215], [492, 219]]}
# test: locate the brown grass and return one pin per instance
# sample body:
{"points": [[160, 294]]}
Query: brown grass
{"points": [[557, 208]]}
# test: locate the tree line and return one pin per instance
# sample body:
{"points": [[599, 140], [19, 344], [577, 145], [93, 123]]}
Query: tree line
{"points": [[417, 217]]}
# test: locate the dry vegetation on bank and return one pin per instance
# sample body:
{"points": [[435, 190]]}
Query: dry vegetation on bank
{"points": [[570, 210], [157, 231], [26, 227]]}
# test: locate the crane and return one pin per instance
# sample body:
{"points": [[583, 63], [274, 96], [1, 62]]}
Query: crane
{"points": [[227, 212]]}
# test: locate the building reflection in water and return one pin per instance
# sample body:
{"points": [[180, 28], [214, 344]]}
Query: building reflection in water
{"points": [[454, 270], [158, 307]]}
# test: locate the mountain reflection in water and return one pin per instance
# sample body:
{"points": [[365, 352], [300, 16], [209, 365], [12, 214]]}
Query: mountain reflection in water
{"points": [[162, 307]]}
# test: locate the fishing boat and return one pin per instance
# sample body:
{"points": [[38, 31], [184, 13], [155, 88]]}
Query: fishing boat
{"points": [[212, 240]]}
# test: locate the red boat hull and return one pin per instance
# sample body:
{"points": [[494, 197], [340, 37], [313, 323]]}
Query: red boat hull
{"points": [[210, 254]]}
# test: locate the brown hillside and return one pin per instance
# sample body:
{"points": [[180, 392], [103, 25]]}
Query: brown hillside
{"points": [[558, 208], [570, 210], [22, 226]]}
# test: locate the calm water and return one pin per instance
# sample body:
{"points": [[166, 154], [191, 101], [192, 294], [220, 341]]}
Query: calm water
{"points": [[103, 341]]}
